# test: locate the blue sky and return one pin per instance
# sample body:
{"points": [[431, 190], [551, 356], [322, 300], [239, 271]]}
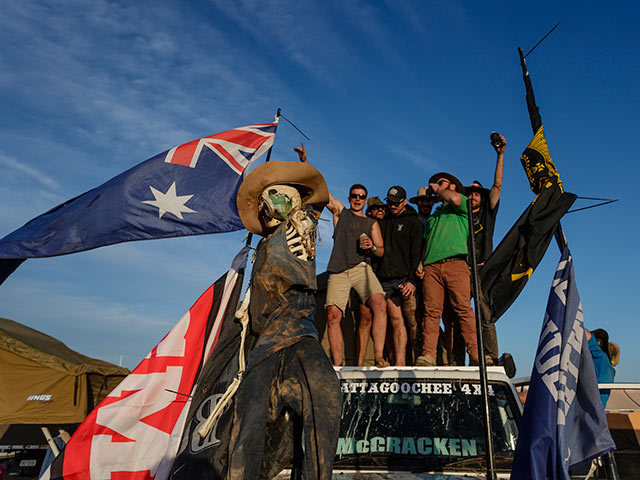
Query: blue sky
{"points": [[389, 92]]}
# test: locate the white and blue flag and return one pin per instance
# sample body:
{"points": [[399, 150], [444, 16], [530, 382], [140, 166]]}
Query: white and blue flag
{"points": [[564, 423]]}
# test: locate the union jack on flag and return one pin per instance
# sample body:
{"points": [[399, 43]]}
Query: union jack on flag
{"points": [[235, 147], [188, 190]]}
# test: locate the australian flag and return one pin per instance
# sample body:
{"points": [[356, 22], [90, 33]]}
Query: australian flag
{"points": [[188, 190], [564, 423]]}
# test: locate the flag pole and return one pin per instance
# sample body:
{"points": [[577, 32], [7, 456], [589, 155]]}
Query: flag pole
{"points": [[482, 364], [536, 123], [274, 138], [250, 235], [534, 111], [611, 469]]}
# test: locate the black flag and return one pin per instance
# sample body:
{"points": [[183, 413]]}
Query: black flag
{"points": [[511, 264], [206, 457]]}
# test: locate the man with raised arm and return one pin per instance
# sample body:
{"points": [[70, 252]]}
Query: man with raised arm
{"points": [[484, 204], [356, 239], [444, 267]]}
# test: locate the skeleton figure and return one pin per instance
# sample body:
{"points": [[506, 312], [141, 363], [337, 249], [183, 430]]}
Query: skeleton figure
{"points": [[281, 203], [287, 407]]}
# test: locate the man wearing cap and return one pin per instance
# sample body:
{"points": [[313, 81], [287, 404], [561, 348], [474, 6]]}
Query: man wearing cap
{"points": [[402, 236], [356, 241], [445, 268], [376, 208]]}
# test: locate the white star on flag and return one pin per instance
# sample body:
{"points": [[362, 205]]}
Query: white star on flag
{"points": [[170, 202]]}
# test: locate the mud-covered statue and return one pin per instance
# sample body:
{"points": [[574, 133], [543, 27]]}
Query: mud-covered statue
{"points": [[288, 405]]}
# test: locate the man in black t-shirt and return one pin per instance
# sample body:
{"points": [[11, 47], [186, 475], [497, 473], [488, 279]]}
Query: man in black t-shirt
{"points": [[484, 204], [402, 234], [485, 212]]}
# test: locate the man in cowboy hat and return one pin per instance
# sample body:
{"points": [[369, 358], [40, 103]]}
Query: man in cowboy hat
{"points": [[287, 370], [424, 200], [484, 204], [444, 268]]}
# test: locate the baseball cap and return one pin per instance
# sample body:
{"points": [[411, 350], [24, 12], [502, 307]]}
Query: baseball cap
{"points": [[396, 194]]}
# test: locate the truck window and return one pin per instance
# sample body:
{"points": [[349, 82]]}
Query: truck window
{"points": [[422, 425]]}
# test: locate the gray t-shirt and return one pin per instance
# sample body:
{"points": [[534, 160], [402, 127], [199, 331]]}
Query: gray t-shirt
{"points": [[346, 251]]}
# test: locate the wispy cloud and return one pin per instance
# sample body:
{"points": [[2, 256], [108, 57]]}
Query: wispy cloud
{"points": [[372, 20], [298, 32], [419, 158], [128, 71], [14, 167]]}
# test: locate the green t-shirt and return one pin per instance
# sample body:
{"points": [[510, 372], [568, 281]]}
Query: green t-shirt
{"points": [[446, 232]]}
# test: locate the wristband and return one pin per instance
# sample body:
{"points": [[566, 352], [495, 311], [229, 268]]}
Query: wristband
{"points": [[375, 249]]}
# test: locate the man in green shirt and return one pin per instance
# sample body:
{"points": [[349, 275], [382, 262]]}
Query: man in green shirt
{"points": [[444, 268]]}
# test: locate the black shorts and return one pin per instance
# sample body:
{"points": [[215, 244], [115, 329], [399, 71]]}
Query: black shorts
{"points": [[393, 286]]}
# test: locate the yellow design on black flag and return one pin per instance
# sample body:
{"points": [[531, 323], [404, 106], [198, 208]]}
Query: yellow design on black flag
{"points": [[512, 263], [538, 165]]}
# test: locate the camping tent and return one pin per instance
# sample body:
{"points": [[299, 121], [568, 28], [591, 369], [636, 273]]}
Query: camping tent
{"points": [[42, 381]]}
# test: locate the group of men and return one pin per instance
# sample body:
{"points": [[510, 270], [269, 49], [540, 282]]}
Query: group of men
{"points": [[411, 269]]}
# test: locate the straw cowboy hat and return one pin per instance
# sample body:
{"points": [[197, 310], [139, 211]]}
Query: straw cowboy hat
{"points": [[423, 192], [307, 179]]}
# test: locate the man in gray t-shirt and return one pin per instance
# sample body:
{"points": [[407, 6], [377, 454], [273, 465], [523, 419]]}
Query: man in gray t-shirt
{"points": [[356, 239]]}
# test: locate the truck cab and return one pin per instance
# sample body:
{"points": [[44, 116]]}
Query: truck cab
{"points": [[423, 423]]}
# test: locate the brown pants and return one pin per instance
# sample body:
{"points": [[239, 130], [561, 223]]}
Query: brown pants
{"points": [[440, 279]]}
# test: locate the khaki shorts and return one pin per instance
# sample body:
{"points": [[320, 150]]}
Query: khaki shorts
{"points": [[361, 278]]}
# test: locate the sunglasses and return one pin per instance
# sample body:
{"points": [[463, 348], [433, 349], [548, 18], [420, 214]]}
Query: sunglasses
{"points": [[394, 203], [361, 196]]}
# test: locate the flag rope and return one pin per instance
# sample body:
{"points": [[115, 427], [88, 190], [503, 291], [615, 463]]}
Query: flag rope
{"points": [[243, 315], [604, 201], [294, 126]]}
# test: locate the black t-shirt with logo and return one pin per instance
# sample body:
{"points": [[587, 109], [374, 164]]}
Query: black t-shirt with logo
{"points": [[483, 224]]}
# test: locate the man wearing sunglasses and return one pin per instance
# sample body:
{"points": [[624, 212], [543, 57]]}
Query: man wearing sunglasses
{"points": [[445, 270], [356, 239], [402, 236]]}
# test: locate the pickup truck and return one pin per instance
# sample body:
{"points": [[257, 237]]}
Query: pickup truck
{"points": [[419, 423]]}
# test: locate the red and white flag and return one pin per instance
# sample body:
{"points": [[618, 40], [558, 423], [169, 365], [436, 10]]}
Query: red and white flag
{"points": [[134, 433]]}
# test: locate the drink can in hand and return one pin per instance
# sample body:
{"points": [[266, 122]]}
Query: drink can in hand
{"points": [[363, 237]]}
